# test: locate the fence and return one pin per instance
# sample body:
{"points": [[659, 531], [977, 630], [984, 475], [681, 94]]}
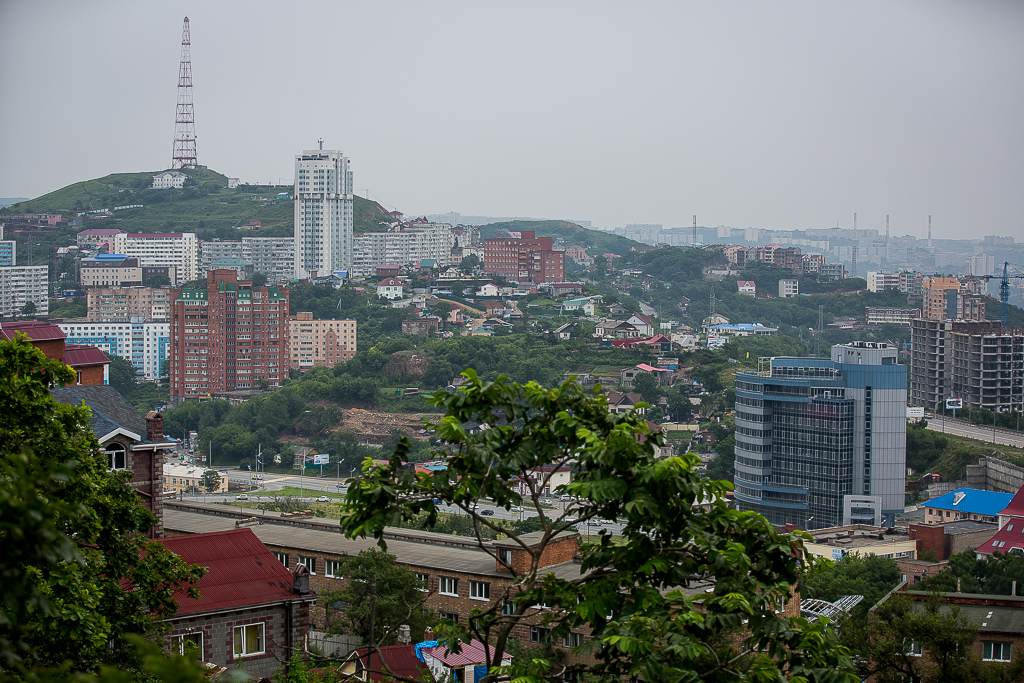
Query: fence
{"points": [[335, 646]]}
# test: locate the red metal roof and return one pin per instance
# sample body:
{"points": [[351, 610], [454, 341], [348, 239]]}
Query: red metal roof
{"points": [[79, 356], [36, 330], [242, 572], [400, 660], [1010, 537], [1016, 504], [472, 653]]}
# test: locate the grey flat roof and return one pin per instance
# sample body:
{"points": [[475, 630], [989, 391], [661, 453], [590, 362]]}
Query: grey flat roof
{"points": [[966, 526], [987, 618], [323, 538]]}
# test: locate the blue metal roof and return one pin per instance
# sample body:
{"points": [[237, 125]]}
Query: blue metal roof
{"points": [[974, 501]]}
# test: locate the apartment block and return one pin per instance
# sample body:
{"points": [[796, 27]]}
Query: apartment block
{"points": [[20, 285], [8, 250], [891, 316], [822, 442], [110, 270], [320, 342], [931, 361], [987, 366], [524, 257], [938, 291], [323, 213], [272, 256], [879, 282], [145, 343], [227, 335], [403, 244], [177, 249], [789, 288], [95, 238], [122, 304]]}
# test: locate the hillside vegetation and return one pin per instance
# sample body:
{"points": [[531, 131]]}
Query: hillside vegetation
{"points": [[566, 234], [204, 206]]}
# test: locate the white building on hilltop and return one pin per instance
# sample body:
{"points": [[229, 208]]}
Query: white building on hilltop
{"points": [[323, 213], [169, 179]]}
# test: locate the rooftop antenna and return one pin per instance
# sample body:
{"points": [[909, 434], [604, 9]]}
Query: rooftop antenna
{"points": [[321, 144], [853, 263], [695, 237], [929, 231], [855, 221], [184, 154], [886, 237], [711, 312]]}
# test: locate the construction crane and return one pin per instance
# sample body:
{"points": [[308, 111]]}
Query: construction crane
{"points": [[1004, 287]]}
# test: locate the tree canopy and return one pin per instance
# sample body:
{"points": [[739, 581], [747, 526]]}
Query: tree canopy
{"points": [[671, 599], [77, 574]]}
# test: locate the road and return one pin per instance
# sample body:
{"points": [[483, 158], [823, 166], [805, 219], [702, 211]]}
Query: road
{"points": [[971, 431], [647, 310]]}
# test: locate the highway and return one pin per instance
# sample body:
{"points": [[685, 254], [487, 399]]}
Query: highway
{"points": [[960, 428]]}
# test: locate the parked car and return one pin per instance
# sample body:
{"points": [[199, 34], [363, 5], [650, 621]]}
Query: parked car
{"points": [[487, 513], [241, 496], [323, 499]]}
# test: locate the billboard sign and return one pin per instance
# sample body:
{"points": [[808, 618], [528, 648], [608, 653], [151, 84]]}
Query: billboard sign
{"points": [[915, 413], [322, 459], [954, 403]]}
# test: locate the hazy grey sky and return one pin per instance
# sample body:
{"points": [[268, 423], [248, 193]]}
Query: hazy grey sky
{"points": [[770, 114]]}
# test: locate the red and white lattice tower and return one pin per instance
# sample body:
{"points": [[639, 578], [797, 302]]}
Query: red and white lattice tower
{"points": [[184, 155]]}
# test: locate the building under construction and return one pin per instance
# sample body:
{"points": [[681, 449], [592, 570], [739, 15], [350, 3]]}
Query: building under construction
{"points": [[979, 361]]}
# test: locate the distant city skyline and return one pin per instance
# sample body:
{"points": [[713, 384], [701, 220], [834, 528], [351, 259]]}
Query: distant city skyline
{"points": [[785, 116]]}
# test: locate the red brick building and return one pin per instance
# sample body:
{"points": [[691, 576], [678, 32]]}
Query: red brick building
{"points": [[227, 335], [524, 257], [129, 441], [89, 363]]}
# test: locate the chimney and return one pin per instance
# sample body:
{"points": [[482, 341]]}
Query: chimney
{"points": [[404, 635], [154, 426], [300, 580]]}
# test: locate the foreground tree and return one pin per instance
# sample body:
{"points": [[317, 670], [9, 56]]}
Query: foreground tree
{"points": [[380, 597], [675, 598], [77, 577]]}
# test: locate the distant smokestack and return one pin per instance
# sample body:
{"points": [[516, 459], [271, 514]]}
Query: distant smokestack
{"points": [[929, 231], [855, 220]]}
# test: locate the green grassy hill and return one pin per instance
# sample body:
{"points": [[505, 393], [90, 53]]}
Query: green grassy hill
{"points": [[205, 206], [567, 234]]}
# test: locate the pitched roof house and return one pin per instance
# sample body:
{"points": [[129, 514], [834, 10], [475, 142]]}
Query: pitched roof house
{"points": [[89, 363], [129, 440], [253, 612]]}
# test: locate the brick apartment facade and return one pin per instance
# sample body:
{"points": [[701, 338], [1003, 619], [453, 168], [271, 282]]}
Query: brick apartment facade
{"points": [[320, 342], [227, 336], [524, 258], [88, 362]]}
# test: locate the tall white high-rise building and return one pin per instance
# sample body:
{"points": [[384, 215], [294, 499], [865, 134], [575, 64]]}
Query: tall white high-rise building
{"points": [[323, 213], [177, 249]]}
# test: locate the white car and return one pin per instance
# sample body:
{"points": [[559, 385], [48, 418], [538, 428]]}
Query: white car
{"points": [[242, 497], [323, 499]]}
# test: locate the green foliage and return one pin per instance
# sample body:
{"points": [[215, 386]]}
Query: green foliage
{"points": [[211, 480], [628, 591], [259, 279], [992, 575], [77, 308], [924, 446], [872, 576], [594, 241], [72, 534], [883, 642], [470, 263], [645, 385], [380, 596]]}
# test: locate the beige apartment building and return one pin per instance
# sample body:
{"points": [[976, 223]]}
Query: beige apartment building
{"points": [[117, 305], [321, 342]]}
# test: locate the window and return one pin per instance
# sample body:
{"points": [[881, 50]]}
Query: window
{"points": [[332, 569], [995, 652], [248, 640], [450, 616], [914, 650], [505, 556], [424, 580], [446, 585], [118, 460], [539, 634], [310, 563], [282, 558], [508, 608], [183, 642], [479, 590], [573, 640]]}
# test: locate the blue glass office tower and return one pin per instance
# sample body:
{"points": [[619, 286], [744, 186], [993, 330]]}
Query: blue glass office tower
{"points": [[823, 442]]}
